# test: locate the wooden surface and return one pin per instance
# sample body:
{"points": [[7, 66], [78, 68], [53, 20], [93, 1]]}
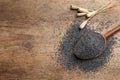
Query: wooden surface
{"points": [[30, 32]]}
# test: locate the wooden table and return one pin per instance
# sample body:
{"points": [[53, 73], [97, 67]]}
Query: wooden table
{"points": [[30, 35]]}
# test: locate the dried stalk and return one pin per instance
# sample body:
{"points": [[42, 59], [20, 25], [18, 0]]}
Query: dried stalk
{"points": [[79, 9]]}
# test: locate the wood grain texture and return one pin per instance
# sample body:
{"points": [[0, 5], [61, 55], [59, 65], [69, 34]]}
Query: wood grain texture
{"points": [[30, 33]]}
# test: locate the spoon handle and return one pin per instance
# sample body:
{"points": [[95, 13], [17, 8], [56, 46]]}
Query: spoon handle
{"points": [[111, 32]]}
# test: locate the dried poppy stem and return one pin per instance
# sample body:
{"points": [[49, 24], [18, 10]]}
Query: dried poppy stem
{"points": [[90, 14]]}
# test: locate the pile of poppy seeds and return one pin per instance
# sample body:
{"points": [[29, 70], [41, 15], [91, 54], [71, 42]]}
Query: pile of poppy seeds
{"points": [[66, 55]]}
